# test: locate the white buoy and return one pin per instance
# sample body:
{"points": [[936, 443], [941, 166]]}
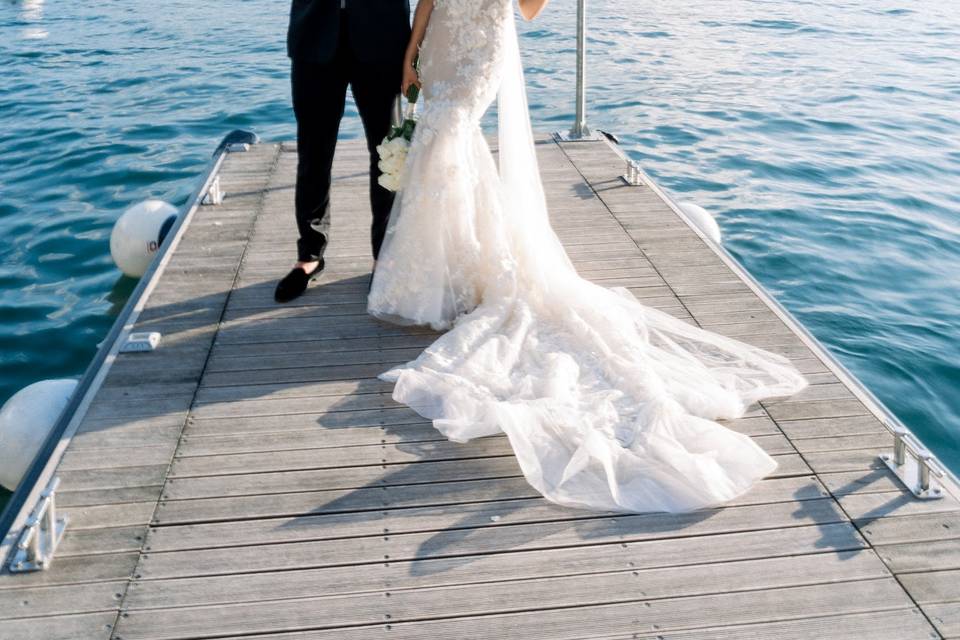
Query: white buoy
{"points": [[138, 233], [25, 420], [702, 218]]}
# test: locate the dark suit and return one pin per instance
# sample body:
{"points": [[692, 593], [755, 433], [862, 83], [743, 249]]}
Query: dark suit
{"points": [[333, 44]]}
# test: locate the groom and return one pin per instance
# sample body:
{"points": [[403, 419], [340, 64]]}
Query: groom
{"points": [[333, 44]]}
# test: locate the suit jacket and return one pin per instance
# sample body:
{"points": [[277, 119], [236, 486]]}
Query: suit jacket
{"points": [[377, 30]]}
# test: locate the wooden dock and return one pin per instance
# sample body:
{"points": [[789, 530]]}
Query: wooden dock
{"points": [[219, 487]]}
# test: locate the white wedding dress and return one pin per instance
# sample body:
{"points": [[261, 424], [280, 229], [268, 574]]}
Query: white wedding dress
{"points": [[608, 404]]}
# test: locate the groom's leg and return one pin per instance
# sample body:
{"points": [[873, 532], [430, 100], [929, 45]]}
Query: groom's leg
{"points": [[319, 92], [375, 86]]}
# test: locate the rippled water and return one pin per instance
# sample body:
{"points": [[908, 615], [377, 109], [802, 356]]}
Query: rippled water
{"points": [[822, 134]]}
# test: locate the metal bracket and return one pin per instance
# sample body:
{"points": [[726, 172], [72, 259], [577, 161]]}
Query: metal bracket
{"points": [[632, 176], [214, 195], [141, 341], [42, 534], [916, 467]]}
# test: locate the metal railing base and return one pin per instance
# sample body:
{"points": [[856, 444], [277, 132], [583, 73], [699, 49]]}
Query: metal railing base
{"points": [[909, 474], [916, 467], [633, 175], [215, 194], [570, 136], [42, 534]]}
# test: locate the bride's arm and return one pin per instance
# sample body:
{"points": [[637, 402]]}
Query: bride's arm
{"points": [[420, 20], [530, 9]]}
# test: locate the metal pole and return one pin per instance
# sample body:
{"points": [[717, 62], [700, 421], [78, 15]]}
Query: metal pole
{"points": [[580, 128], [923, 482], [899, 447]]}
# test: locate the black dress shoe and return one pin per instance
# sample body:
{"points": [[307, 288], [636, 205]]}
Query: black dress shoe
{"points": [[295, 283]]}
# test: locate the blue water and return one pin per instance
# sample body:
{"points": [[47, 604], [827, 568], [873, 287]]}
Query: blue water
{"points": [[822, 134]]}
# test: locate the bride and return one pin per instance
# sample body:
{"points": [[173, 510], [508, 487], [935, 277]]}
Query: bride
{"points": [[607, 404]]}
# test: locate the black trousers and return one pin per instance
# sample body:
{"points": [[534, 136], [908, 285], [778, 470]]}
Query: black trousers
{"points": [[319, 95]]}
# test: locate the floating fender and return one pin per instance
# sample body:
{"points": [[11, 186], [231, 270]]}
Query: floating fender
{"points": [[25, 420], [138, 234], [702, 218]]}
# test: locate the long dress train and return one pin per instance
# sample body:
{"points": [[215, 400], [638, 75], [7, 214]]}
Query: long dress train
{"points": [[608, 404]]}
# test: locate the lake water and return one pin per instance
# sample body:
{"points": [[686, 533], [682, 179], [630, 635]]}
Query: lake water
{"points": [[823, 135]]}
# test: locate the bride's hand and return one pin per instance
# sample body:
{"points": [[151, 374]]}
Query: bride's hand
{"points": [[410, 77]]}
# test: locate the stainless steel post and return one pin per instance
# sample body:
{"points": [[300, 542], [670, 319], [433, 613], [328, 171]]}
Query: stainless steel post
{"points": [[899, 447], [923, 462], [580, 128]]}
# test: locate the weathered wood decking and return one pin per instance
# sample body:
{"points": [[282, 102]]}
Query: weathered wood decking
{"points": [[253, 478]]}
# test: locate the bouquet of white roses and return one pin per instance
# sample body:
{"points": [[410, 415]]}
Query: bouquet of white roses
{"points": [[393, 149]]}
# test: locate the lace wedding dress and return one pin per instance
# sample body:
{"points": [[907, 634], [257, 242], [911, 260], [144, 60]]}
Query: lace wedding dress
{"points": [[608, 404]]}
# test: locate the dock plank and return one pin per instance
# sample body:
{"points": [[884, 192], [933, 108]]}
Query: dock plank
{"points": [[630, 616], [90, 626], [397, 491], [488, 517], [839, 538], [36, 602], [466, 529], [654, 589]]}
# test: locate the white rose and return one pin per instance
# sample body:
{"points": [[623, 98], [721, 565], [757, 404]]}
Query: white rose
{"points": [[384, 151], [394, 164], [401, 159], [389, 181], [398, 145]]}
